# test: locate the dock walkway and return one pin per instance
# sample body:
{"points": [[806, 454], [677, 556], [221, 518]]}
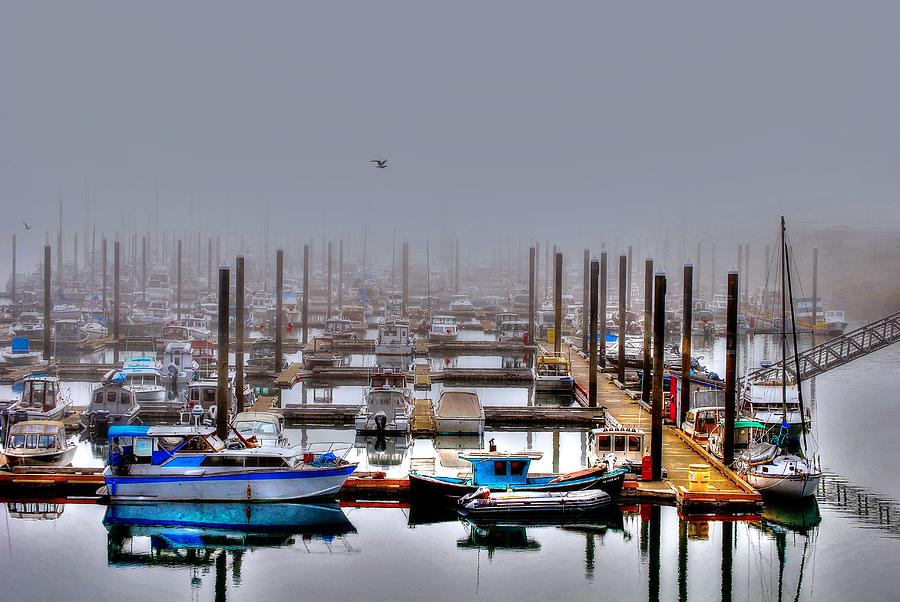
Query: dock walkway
{"points": [[726, 489]]}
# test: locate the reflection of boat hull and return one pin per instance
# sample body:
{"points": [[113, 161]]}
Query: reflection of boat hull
{"points": [[427, 486], [271, 485], [240, 516]]}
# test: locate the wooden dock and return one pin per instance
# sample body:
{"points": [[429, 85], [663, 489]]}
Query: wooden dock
{"points": [[423, 423], [727, 491], [422, 378], [289, 376]]}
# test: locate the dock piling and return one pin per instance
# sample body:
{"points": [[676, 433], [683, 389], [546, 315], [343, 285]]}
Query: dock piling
{"points": [[239, 331], [648, 329], [592, 361], [532, 269], [731, 312], [279, 310], [328, 285], [117, 275], [659, 343], [222, 357], [405, 261], [602, 326], [585, 285], [305, 319], [178, 282], [48, 326], [686, 327], [623, 266], [557, 303]]}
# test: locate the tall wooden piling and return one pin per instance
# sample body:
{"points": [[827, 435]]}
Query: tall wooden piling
{"points": [[144, 269], [117, 299], [532, 273], [48, 325], [405, 267], [592, 360], [239, 332], [686, 326], [659, 343], [623, 266], [341, 274], [602, 326], [746, 278], [222, 357], [585, 286], [178, 281], [646, 381], [103, 280], [815, 289], [628, 280], [328, 285], [731, 312], [13, 278], [279, 310], [428, 275], [557, 303], [305, 317]]}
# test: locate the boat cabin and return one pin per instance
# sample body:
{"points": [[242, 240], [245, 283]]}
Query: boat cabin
{"points": [[552, 366], [500, 470], [387, 379], [113, 398], [338, 327], [699, 422], [628, 445], [266, 427], [34, 437], [40, 394]]}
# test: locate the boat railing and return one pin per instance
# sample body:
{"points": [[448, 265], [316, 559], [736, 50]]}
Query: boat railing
{"points": [[313, 452]]}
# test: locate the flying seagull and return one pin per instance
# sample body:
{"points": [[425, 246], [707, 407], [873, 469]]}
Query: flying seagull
{"points": [[379, 163], [27, 227]]}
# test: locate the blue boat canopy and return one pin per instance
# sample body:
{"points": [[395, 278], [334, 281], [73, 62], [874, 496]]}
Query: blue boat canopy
{"points": [[128, 430], [20, 345]]}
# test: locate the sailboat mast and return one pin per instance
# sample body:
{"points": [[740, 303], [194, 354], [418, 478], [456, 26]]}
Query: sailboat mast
{"points": [[783, 329], [794, 338]]}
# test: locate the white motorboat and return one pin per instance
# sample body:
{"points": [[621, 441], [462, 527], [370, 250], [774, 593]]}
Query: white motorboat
{"points": [[143, 377], [531, 504], [459, 412], [29, 325], [178, 362], [42, 399], [91, 331], [193, 464], [443, 328], [19, 353], [787, 475], [461, 304], [266, 428], [553, 372], [113, 402], [38, 443], [394, 338], [388, 404]]}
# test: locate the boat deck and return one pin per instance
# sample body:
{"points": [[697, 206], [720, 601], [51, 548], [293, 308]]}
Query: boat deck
{"points": [[726, 489]]}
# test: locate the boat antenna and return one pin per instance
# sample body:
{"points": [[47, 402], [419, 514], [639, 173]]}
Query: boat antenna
{"points": [[796, 349]]}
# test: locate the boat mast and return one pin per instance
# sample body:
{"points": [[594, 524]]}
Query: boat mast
{"points": [[794, 338], [783, 330]]}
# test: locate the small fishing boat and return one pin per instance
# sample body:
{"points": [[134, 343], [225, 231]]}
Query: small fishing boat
{"points": [[113, 402], [262, 354], [30, 325], [622, 447], [699, 422], [319, 353], [394, 338], [66, 334], [388, 404], [267, 428], [143, 376], [443, 328], [509, 471], [483, 504], [512, 330], [42, 399], [178, 362], [459, 412], [92, 331], [339, 328], [19, 353], [179, 463], [553, 372], [461, 304], [38, 443]]}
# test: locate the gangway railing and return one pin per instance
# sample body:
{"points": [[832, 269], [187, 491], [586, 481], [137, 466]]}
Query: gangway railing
{"points": [[836, 352]]}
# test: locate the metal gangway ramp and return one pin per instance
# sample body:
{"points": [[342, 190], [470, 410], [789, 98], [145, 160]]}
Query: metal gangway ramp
{"points": [[836, 352]]}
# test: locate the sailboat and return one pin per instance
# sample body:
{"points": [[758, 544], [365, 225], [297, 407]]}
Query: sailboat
{"points": [[791, 473]]}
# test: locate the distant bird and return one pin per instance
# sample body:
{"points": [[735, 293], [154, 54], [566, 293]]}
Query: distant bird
{"points": [[27, 227], [379, 163]]}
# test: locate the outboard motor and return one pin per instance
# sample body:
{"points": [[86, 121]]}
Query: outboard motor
{"points": [[380, 421]]}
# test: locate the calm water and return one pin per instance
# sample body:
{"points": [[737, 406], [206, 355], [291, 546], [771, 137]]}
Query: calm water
{"points": [[844, 546]]}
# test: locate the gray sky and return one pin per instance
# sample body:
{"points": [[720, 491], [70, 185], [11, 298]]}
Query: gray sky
{"points": [[512, 117]]}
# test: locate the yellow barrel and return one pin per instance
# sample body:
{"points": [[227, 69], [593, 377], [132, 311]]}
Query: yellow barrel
{"points": [[698, 477], [551, 335]]}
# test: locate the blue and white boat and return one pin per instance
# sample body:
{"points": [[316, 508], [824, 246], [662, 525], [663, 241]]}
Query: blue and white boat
{"points": [[500, 471], [191, 463]]}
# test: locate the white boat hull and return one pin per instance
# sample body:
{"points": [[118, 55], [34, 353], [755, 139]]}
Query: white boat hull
{"points": [[459, 426], [237, 486]]}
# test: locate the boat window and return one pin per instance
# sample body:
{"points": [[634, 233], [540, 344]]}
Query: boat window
{"points": [[125, 399], [209, 394], [31, 441], [619, 444], [634, 443], [517, 468], [263, 462], [177, 360], [499, 468], [603, 442], [111, 396], [47, 441], [143, 447], [98, 397], [217, 460], [17, 441]]}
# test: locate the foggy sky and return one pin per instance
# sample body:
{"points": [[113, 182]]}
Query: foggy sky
{"points": [[545, 120]]}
